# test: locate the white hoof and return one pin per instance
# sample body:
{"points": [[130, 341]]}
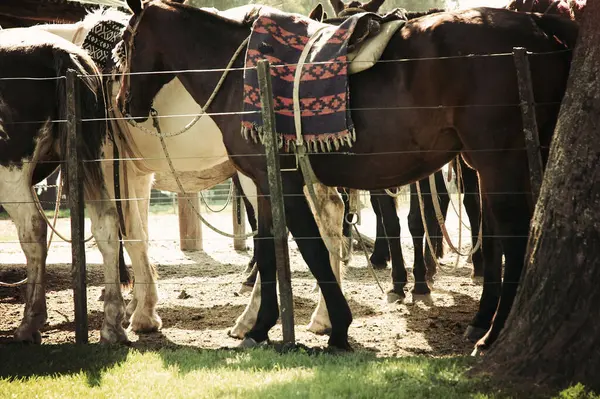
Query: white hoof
{"points": [[319, 328], [24, 334], [426, 298], [393, 297], [144, 323], [113, 335]]}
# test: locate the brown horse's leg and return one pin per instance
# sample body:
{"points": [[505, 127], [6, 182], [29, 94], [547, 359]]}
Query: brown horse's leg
{"points": [[381, 251], [491, 258], [303, 227], [509, 200], [385, 206], [472, 206]]}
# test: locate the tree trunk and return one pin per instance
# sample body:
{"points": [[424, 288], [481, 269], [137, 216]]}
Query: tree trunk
{"points": [[553, 332]]}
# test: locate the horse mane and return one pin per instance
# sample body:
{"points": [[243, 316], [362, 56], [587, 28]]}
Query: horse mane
{"points": [[105, 14]]}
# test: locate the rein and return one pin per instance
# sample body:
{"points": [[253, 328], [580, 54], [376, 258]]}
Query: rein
{"points": [[156, 124], [189, 125]]}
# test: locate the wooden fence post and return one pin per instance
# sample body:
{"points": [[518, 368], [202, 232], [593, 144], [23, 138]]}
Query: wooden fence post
{"points": [[239, 220], [190, 226], [530, 128], [76, 207], [275, 187]]}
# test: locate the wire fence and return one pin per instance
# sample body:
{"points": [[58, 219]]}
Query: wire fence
{"points": [[404, 199]]}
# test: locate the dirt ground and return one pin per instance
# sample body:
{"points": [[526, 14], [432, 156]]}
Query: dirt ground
{"points": [[212, 279]]}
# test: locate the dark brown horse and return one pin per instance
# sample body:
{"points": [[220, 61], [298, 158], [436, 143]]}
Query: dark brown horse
{"points": [[443, 102]]}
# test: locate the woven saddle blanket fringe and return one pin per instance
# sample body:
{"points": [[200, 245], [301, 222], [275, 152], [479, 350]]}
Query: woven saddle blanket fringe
{"points": [[323, 92]]}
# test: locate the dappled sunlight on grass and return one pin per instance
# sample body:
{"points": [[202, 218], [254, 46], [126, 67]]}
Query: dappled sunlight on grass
{"points": [[101, 371], [96, 371]]}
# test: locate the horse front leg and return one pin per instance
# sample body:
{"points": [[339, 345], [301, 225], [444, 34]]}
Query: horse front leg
{"points": [[491, 254], [381, 250], [509, 200], [31, 227], [305, 230]]}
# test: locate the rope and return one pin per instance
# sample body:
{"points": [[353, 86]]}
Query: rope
{"points": [[393, 194], [229, 196], [441, 221], [38, 205], [204, 108], [156, 124]]}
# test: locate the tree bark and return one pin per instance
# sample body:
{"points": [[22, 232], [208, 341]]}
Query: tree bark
{"points": [[553, 332]]}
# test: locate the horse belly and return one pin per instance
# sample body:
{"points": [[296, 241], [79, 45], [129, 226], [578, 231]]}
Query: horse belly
{"points": [[198, 149]]}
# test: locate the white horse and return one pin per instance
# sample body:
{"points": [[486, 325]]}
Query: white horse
{"points": [[201, 161]]}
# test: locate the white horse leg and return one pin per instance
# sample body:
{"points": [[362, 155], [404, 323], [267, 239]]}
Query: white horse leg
{"points": [[330, 221], [16, 198], [142, 308], [105, 228], [247, 319]]}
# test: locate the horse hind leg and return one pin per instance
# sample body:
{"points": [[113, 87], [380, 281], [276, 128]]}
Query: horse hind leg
{"points": [[473, 208], [16, 197], [381, 250], [141, 311], [330, 219], [386, 207]]}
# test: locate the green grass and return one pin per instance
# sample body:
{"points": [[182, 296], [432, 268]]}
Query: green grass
{"points": [[96, 371], [108, 372]]}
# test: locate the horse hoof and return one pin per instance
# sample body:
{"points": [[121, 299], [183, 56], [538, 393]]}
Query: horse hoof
{"points": [[477, 280], [379, 265], [238, 331], [113, 335], [34, 337], [318, 328], [425, 298], [339, 347], [142, 324], [474, 334], [394, 297], [249, 343], [245, 288]]}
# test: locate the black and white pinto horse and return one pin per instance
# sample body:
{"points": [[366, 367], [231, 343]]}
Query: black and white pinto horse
{"points": [[32, 145]]}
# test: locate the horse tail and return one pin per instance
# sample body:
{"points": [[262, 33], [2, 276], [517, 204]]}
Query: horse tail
{"points": [[563, 29], [93, 118]]}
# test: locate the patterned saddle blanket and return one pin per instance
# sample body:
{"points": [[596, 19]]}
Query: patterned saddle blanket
{"points": [[279, 37]]}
